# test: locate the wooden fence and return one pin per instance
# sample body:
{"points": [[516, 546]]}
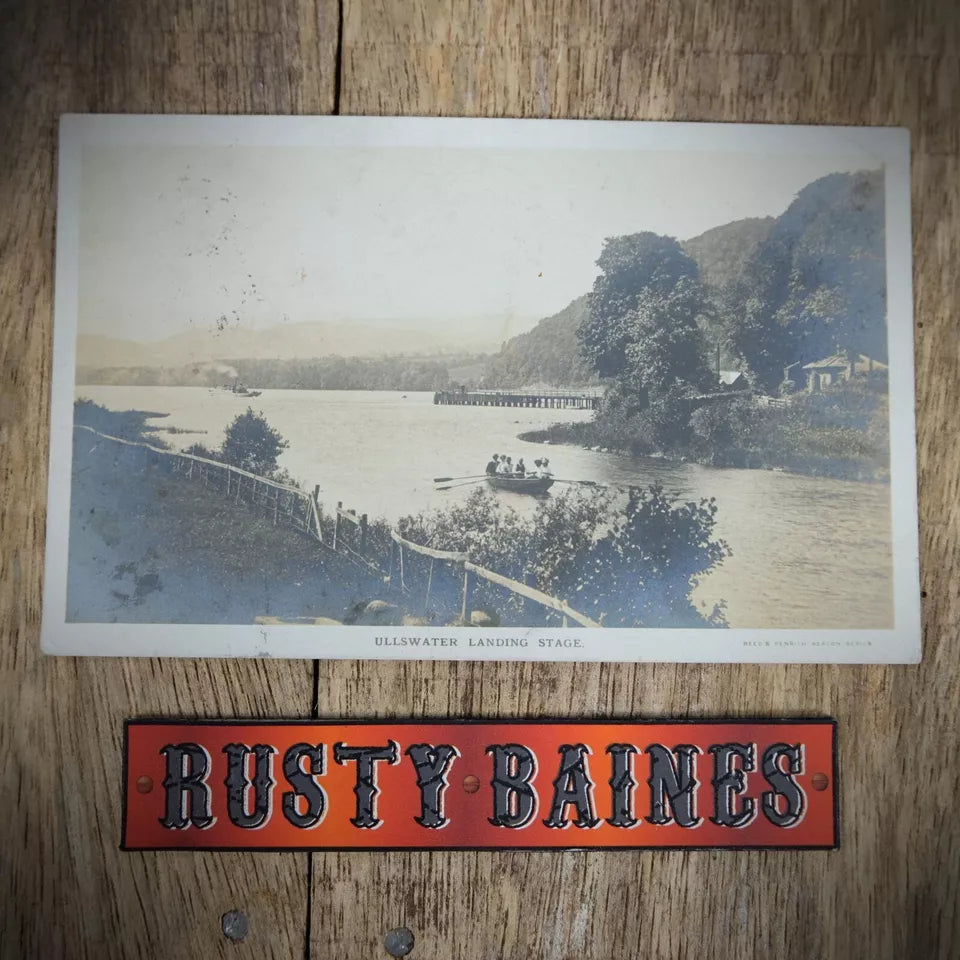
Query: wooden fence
{"points": [[351, 530], [283, 503], [399, 545]]}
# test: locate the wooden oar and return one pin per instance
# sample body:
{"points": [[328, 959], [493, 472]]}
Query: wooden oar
{"points": [[463, 483], [585, 483], [473, 476]]}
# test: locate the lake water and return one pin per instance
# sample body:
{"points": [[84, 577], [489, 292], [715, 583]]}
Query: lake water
{"points": [[808, 552]]}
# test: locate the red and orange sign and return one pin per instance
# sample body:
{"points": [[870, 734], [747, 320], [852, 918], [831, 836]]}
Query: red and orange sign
{"points": [[396, 785]]}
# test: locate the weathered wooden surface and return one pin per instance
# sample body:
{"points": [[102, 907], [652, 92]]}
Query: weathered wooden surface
{"points": [[892, 890], [65, 891]]}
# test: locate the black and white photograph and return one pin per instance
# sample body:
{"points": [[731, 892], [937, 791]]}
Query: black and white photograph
{"points": [[456, 389]]}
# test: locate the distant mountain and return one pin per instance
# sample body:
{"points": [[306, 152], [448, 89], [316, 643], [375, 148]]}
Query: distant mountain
{"points": [[315, 373], [288, 341], [549, 354], [722, 252]]}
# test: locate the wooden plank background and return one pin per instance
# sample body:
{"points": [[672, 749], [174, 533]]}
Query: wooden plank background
{"points": [[66, 891]]}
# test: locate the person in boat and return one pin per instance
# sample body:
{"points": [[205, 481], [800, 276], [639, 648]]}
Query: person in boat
{"points": [[493, 465], [521, 470], [506, 466], [544, 470]]}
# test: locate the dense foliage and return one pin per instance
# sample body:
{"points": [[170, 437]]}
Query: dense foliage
{"points": [[771, 295], [631, 562], [816, 284], [647, 298]]}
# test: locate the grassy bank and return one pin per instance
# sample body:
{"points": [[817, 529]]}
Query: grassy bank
{"points": [[147, 547]]}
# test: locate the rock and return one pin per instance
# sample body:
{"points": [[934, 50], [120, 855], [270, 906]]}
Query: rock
{"points": [[379, 613], [415, 621], [481, 618]]}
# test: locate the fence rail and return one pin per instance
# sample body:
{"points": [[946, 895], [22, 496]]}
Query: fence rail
{"points": [[514, 586], [300, 509], [290, 504]]}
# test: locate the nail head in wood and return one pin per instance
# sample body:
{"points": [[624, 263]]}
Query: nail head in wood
{"points": [[234, 925], [398, 942]]}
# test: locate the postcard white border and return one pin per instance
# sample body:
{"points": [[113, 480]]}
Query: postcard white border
{"points": [[889, 146]]}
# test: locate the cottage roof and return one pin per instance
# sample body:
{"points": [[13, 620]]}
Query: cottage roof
{"points": [[839, 361], [835, 362], [730, 377]]}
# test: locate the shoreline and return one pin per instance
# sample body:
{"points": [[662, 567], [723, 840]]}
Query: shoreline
{"points": [[565, 434]]}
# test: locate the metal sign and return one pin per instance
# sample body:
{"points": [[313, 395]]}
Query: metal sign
{"points": [[289, 785]]}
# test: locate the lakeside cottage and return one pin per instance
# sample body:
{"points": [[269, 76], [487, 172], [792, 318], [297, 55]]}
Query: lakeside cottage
{"points": [[833, 369]]}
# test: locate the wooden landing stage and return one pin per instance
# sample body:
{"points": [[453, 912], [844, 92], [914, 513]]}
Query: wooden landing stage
{"points": [[575, 400]]}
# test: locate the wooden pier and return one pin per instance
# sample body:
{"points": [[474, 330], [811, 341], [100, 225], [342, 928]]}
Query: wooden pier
{"points": [[570, 399]]}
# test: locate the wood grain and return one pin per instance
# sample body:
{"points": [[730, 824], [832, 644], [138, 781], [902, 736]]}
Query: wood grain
{"points": [[65, 889], [892, 890]]}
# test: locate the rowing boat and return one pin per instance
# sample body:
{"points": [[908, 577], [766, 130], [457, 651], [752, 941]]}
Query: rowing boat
{"points": [[531, 485]]}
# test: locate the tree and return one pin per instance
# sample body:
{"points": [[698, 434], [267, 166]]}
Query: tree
{"points": [[644, 311], [665, 348], [252, 444]]}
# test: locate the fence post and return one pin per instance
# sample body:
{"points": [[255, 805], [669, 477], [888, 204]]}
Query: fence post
{"points": [[466, 591], [426, 599], [403, 586], [390, 567], [237, 498], [336, 526], [530, 580], [363, 534], [276, 505], [227, 471]]}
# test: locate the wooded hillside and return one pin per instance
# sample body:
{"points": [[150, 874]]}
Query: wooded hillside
{"points": [[549, 353]]}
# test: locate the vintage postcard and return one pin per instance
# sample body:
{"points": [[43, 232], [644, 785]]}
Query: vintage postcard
{"points": [[502, 389]]}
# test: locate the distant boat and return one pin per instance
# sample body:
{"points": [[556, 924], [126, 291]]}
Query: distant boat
{"points": [[241, 391], [532, 485]]}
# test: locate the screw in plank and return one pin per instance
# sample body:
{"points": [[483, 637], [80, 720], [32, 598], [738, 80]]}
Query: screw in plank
{"points": [[234, 925], [398, 942], [820, 781]]}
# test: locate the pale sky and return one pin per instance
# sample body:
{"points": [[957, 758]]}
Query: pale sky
{"points": [[172, 238]]}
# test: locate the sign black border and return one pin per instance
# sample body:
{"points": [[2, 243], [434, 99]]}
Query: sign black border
{"points": [[475, 721]]}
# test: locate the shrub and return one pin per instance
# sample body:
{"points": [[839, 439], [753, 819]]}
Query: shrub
{"points": [[625, 564], [252, 444]]}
